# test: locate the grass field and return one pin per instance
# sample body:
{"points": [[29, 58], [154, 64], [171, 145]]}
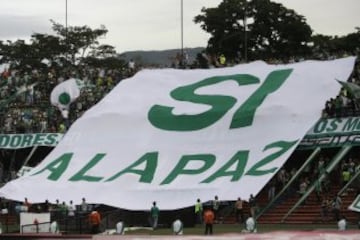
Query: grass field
{"points": [[236, 228], [221, 232]]}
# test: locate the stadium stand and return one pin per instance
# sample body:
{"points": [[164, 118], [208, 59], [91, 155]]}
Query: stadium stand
{"points": [[25, 108]]}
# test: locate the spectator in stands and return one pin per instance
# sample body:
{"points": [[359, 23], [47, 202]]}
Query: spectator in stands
{"points": [[324, 210], [84, 205], [54, 209], [272, 189], [35, 98], [345, 175], [46, 206], [4, 208], [329, 110], [131, 66], [71, 209], [18, 209], [326, 184], [63, 209], [252, 205], [71, 212], [222, 60], [294, 185], [336, 207], [239, 213], [321, 166], [282, 178], [318, 190], [303, 187], [351, 167], [338, 106], [26, 205]]}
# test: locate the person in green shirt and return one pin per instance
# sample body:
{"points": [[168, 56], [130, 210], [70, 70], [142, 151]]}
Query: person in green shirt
{"points": [[63, 209], [154, 214], [198, 211]]}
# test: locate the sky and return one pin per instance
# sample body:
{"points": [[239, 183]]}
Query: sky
{"points": [[155, 24]]}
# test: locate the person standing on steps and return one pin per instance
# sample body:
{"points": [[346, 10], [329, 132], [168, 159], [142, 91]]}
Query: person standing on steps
{"points": [[252, 204], [239, 210]]}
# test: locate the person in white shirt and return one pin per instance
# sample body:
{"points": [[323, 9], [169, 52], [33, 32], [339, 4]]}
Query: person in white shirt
{"points": [[71, 209], [342, 224], [250, 225], [54, 227], [177, 227], [120, 228], [84, 206]]}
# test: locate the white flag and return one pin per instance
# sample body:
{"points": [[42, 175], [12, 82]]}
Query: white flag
{"points": [[173, 136], [65, 93], [352, 88], [355, 205]]}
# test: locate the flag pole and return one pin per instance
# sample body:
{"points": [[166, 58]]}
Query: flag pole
{"points": [[182, 32]]}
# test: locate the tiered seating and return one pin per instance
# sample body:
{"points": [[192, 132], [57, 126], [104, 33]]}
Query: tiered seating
{"points": [[8, 219], [306, 213]]}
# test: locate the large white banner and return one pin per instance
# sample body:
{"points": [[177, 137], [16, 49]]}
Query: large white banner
{"points": [[173, 136]]}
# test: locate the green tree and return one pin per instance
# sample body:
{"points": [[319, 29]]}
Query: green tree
{"points": [[330, 46], [77, 40], [103, 51], [48, 47], [104, 56], [323, 46], [264, 28], [20, 54], [351, 42], [69, 46]]}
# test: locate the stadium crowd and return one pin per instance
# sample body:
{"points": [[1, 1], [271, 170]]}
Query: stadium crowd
{"points": [[344, 104], [25, 108], [25, 95]]}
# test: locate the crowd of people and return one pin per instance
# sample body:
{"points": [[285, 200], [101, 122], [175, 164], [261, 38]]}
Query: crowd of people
{"points": [[25, 101], [25, 96], [59, 211], [326, 184], [25, 108], [345, 104]]}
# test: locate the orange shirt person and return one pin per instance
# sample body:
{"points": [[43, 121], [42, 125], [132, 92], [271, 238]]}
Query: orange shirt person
{"points": [[95, 219], [209, 218]]}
